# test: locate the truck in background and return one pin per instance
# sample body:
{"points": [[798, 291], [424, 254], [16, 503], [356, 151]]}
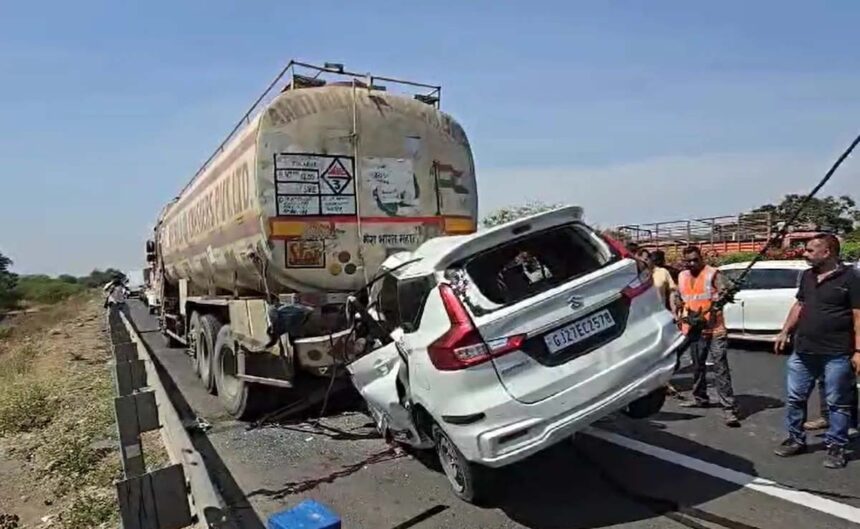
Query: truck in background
{"points": [[716, 236], [320, 181], [151, 290], [136, 283]]}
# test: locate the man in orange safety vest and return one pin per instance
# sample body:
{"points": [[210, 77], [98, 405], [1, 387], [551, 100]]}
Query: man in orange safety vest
{"points": [[699, 285]]}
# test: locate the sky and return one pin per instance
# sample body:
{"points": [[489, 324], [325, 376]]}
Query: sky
{"points": [[636, 111]]}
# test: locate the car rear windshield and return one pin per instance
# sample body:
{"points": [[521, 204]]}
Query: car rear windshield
{"points": [[528, 266], [767, 278]]}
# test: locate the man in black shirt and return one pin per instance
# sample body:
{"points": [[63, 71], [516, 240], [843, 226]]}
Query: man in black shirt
{"points": [[826, 318]]}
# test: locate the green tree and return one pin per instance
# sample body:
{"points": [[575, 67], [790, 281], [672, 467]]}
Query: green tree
{"points": [[832, 213], [8, 283], [510, 213], [99, 278], [66, 278], [45, 289]]}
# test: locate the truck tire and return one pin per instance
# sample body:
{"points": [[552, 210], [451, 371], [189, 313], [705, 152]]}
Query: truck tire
{"points": [[204, 344], [468, 480], [193, 332], [241, 399]]}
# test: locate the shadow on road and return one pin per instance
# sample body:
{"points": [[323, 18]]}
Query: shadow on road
{"points": [[751, 404], [564, 488], [675, 416], [426, 515]]}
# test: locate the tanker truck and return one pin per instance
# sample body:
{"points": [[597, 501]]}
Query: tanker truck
{"points": [[328, 174]]}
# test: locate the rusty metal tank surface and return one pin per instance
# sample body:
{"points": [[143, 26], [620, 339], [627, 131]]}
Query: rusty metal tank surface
{"points": [[317, 190]]}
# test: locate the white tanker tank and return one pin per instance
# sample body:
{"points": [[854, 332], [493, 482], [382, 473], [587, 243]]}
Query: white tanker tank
{"points": [[305, 200], [322, 185]]}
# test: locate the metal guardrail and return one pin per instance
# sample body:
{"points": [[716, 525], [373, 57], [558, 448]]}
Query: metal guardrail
{"points": [[181, 494]]}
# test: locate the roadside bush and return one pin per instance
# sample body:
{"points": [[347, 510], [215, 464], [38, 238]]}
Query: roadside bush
{"points": [[24, 406], [47, 290], [851, 251], [9, 297], [98, 278], [15, 362]]}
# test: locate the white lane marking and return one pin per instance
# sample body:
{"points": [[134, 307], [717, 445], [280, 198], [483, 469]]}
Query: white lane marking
{"points": [[765, 486]]}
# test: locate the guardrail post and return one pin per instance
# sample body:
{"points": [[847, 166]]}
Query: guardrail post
{"points": [[156, 500], [135, 414]]}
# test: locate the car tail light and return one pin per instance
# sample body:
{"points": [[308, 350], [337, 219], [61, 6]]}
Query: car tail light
{"points": [[644, 279], [616, 245], [462, 345], [640, 285]]}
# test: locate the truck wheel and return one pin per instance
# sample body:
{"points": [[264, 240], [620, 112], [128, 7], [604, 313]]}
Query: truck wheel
{"points": [[193, 335], [646, 406], [204, 344], [241, 399], [468, 480]]}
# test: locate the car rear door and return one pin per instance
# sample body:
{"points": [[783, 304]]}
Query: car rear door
{"points": [[557, 291], [734, 312], [768, 297]]}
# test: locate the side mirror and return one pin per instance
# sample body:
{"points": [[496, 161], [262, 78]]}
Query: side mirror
{"points": [[150, 246]]}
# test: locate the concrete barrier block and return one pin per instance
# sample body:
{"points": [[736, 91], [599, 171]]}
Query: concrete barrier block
{"points": [[306, 515]]}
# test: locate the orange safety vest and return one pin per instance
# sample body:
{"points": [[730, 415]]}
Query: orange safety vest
{"points": [[698, 293]]}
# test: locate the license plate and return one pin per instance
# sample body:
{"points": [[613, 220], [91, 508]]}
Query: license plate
{"points": [[579, 331]]}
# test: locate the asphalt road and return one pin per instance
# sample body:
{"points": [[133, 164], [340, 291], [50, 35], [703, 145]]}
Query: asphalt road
{"points": [[600, 479]]}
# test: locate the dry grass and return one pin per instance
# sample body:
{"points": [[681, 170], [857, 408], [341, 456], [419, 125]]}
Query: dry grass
{"points": [[56, 418], [24, 406]]}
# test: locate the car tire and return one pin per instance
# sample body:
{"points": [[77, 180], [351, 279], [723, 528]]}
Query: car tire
{"points": [[204, 344], [468, 480], [646, 406], [241, 399]]}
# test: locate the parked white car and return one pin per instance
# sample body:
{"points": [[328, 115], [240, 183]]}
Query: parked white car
{"points": [[763, 302], [511, 339]]}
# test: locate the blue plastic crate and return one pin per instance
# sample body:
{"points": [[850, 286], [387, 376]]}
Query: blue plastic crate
{"points": [[306, 515]]}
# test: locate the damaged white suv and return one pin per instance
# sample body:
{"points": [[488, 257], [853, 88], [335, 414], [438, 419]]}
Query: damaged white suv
{"points": [[506, 341]]}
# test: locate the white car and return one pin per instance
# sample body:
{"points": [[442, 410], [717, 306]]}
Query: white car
{"points": [[763, 302], [511, 339]]}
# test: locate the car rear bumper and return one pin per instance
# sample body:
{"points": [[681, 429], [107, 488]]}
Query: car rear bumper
{"points": [[527, 429]]}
